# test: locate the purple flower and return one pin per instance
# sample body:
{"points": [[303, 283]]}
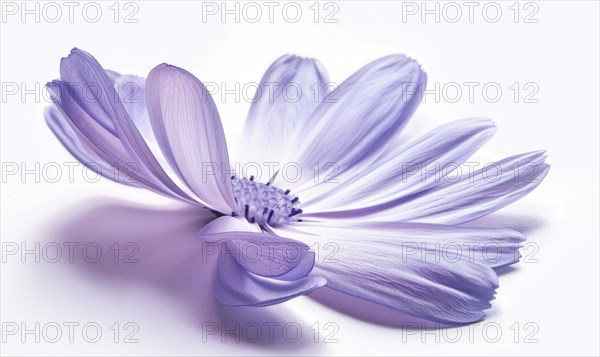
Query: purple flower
{"points": [[389, 214]]}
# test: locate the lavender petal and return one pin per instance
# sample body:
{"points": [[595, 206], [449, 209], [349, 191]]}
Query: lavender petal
{"points": [[355, 122], [398, 173], [188, 129], [80, 74], [237, 286], [377, 265], [57, 122], [289, 92], [265, 254]]}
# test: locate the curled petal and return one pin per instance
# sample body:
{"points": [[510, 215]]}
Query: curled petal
{"points": [[265, 254], [259, 269], [238, 287]]}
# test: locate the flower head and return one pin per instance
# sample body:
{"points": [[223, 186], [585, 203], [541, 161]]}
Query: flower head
{"points": [[372, 199]]}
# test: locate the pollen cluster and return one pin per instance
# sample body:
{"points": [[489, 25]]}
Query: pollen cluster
{"points": [[264, 204]]}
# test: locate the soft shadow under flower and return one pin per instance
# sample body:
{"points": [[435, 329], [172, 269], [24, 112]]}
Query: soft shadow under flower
{"points": [[159, 249]]}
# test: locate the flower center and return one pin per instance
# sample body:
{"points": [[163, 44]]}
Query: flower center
{"points": [[265, 204]]}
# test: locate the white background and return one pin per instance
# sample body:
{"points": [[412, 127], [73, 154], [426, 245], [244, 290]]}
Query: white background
{"points": [[553, 301]]}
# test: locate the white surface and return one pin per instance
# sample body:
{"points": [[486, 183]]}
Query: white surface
{"points": [[165, 294]]}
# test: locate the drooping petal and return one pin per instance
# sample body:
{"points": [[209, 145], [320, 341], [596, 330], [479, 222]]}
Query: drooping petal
{"points": [[356, 121], [372, 265], [289, 92], [188, 129], [86, 87], [410, 168]]}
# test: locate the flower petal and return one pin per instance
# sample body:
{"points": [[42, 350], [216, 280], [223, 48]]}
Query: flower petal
{"points": [[238, 287], [447, 293], [57, 122], [257, 269], [265, 254], [189, 131], [91, 90], [355, 121], [289, 92], [493, 247], [98, 140], [452, 291], [132, 91], [226, 224], [488, 190], [437, 197], [401, 172]]}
